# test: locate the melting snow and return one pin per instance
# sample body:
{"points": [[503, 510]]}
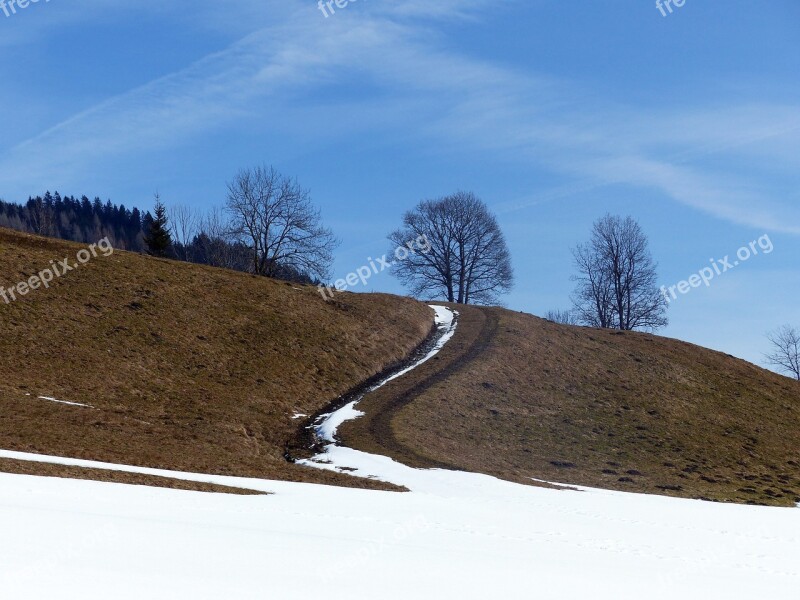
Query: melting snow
{"points": [[455, 535], [445, 321], [49, 399]]}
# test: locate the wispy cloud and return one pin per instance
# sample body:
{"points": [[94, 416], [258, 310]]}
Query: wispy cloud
{"points": [[692, 156]]}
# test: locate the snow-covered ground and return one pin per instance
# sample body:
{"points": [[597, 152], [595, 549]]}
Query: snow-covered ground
{"points": [[455, 535]]}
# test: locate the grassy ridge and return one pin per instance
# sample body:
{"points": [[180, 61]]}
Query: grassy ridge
{"points": [[191, 368], [186, 367], [625, 411]]}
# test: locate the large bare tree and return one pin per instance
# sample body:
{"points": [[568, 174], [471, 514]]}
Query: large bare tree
{"points": [[468, 261], [593, 298], [617, 280], [274, 216], [785, 350]]}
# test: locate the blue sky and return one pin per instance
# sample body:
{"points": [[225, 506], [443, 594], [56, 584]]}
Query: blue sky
{"points": [[553, 112]]}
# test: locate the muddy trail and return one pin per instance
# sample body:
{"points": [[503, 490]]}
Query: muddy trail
{"points": [[374, 432]]}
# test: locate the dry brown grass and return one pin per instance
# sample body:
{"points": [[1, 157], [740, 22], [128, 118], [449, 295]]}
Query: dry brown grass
{"points": [[198, 369], [187, 367], [625, 411], [19, 467]]}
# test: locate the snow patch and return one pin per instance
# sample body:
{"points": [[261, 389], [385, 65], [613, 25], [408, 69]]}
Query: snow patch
{"points": [[259, 485], [329, 423], [49, 399], [327, 429]]}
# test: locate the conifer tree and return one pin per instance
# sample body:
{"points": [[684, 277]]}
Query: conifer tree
{"points": [[157, 237]]}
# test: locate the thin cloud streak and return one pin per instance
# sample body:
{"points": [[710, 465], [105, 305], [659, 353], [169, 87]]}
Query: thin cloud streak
{"points": [[515, 115]]}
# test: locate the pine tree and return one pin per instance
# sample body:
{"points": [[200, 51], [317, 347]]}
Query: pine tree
{"points": [[157, 237]]}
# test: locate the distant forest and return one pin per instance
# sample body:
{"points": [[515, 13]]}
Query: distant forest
{"points": [[78, 220], [194, 239]]}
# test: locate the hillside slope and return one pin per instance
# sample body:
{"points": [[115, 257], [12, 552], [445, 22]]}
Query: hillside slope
{"points": [[519, 397], [182, 367]]}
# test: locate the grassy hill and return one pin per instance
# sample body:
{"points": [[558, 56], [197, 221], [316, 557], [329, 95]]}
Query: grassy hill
{"points": [[519, 397], [182, 366]]}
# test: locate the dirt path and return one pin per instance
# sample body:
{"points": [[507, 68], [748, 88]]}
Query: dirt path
{"points": [[374, 431]]}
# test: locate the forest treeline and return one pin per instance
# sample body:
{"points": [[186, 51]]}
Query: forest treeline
{"points": [[86, 221]]}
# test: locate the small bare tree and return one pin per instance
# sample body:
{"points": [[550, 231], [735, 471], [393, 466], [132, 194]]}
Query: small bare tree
{"points": [[183, 225], [562, 317], [274, 216], [214, 239], [785, 353], [42, 216], [468, 261], [617, 280]]}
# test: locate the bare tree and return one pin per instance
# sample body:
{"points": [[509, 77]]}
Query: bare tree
{"points": [[468, 261], [183, 221], [785, 350], [617, 280], [592, 300], [214, 237], [42, 216], [274, 216], [562, 317]]}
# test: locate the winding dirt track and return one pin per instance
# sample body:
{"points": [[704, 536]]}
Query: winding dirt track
{"points": [[374, 432]]}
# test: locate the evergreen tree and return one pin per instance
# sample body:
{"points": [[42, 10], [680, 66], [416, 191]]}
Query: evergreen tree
{"points": [[157, 236], [86, 221]]}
